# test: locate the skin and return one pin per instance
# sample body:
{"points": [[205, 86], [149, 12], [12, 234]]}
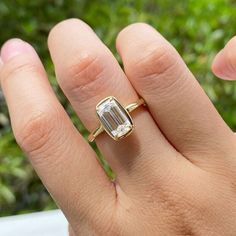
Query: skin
{"points": [[175, 173]]}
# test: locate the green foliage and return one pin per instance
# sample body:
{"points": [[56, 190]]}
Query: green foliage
{"points": [[198, 29]]}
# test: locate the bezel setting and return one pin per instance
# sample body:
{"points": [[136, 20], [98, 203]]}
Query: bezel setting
{"points": [[114, 118]]}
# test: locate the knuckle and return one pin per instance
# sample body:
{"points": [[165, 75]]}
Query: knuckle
{"points": [[34, 135], [154, 68], [82, 75], [157, 59]]}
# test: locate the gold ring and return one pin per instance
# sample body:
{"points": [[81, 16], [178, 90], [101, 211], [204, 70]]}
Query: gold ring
{"points": [[114, 118]]}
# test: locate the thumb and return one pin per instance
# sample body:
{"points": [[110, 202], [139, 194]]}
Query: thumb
{"points": [[224, 63]]}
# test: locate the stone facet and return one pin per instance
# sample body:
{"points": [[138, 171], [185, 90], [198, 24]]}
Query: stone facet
{"points": [[114, 118]]}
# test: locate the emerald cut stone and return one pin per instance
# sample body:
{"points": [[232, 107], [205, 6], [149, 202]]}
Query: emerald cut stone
{"points": [[115, 120]]}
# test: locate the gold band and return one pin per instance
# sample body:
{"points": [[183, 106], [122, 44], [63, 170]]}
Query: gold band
{"points": [[129, 108]]}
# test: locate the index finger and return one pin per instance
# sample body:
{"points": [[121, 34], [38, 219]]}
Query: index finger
{"points": [[63, 160]]}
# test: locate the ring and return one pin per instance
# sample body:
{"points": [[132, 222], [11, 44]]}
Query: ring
{"points": [[114, 118]]}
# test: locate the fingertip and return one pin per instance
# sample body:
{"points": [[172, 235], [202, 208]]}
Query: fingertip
{"points": [[218, 64], [127, 34], [224, 63], [221, 66], [14, 47]]}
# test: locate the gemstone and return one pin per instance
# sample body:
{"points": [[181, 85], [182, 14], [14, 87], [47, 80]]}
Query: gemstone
{"points": [[115, 120]]}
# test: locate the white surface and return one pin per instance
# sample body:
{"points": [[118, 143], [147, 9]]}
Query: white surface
{"points": [[48, 223]]}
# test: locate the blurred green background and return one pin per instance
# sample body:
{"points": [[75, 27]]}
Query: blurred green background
{"points": [[198, 29]]}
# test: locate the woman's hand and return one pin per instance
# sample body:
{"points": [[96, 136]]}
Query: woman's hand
{"points": [[176, 172]]}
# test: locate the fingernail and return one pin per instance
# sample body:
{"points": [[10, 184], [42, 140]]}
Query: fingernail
{"points": [[14, 47]]}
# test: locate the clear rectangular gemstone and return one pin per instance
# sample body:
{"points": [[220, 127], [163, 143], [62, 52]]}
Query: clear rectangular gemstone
{"points": [[114, 118]]}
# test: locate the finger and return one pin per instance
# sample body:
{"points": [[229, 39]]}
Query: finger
{"points": [[88, 72], [224, 64], [177, 102], [63, 160]]}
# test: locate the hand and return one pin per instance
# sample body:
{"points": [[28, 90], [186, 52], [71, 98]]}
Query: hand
{"points": [[176, 172]]}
